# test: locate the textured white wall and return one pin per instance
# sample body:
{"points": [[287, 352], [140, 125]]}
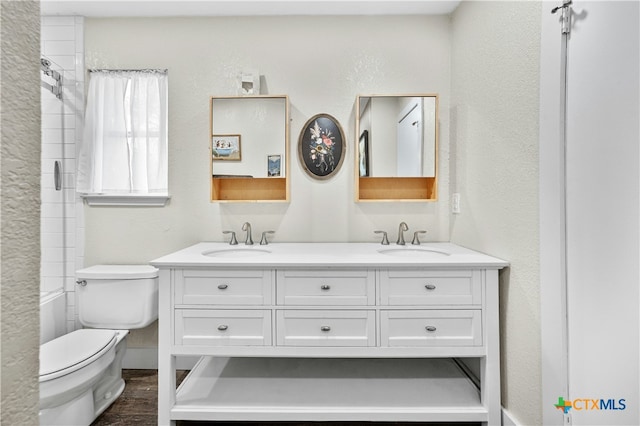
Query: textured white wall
{"points": [[494, 150], [20, 210], [322, 63]]}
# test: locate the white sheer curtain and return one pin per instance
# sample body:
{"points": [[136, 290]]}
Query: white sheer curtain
{"points": [[124, 148]]}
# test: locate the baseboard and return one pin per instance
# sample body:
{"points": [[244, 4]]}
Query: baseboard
{"points": [[140, 359], [147, 359], [508, 419]]}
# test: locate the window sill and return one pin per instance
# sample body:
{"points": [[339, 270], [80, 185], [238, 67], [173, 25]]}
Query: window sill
{"points": [[127, 200]]}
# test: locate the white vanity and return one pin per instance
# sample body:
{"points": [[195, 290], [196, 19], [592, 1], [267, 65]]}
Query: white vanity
{"points": [[330, 332]]}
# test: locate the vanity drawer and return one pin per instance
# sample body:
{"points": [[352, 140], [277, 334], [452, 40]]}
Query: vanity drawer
{"points": [[431, 328], [325, 328], [326, 288], [223, 287], [202, 327], [420, 287]]}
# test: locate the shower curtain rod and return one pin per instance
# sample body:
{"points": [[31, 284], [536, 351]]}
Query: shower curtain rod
{"points": [[161, 71]]}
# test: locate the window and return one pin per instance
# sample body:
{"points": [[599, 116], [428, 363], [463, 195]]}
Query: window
{"points": [[123, 154]]}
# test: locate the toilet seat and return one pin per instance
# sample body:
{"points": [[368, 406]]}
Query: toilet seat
{"points": [[73, 351]]}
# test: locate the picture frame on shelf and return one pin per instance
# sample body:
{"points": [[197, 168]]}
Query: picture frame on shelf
{"points": [[226, 148], [274, 165]]}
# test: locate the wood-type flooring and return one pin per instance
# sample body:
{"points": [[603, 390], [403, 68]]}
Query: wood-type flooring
{"points": [[138, 406]]}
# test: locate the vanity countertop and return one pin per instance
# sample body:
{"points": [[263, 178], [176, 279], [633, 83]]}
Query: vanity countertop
{"points": [[442, 255]]}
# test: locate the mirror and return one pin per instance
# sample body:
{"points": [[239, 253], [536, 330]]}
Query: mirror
{"points": [[397, 136], [249, 140], [396, 147]]}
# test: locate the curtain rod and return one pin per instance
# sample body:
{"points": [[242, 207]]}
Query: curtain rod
{"points": [[162, 71]]}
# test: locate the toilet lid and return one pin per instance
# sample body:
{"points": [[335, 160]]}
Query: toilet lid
{"points": [[73, 351], [117, 272]]}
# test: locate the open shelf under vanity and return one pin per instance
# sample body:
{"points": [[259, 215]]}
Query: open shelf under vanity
{"points": [[305, 389]]}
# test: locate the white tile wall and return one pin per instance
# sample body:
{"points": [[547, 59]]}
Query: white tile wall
{"points": [[62, 227]]}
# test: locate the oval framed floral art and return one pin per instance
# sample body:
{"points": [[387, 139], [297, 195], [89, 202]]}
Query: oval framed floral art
{"points": [[321, 146]]}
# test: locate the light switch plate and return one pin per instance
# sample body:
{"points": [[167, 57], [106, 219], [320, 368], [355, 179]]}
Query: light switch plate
{"points": [[455, 203]]}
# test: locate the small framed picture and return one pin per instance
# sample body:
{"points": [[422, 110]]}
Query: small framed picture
{"points": [[273, 165], [226, 148]]}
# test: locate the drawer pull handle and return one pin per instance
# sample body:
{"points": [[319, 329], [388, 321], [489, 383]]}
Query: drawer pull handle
{"points": [[223, 327], [223, 286], [325, 287], [430, 287], [325, 328], [430, 328]]}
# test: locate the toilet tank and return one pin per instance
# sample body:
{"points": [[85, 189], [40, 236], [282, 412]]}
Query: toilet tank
{"points": [[117, 296]]}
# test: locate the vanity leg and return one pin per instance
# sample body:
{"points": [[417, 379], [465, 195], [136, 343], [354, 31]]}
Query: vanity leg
{"points": [[166, 361], [490, 364], [166, 389]]}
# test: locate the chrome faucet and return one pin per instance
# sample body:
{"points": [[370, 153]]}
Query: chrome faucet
{"points": [[247, 227], [403, 227]]}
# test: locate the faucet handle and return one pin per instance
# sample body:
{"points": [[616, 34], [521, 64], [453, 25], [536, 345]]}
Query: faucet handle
{"points": [[416, 241], [233, 241], [263, 240], [385, 240]]}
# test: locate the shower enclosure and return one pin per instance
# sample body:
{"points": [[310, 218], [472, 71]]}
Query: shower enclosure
{"points": [[53, 214], [53, 209], [61, 228]]}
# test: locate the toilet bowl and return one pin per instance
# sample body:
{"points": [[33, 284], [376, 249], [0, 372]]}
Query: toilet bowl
{"points": [[81, 372]]}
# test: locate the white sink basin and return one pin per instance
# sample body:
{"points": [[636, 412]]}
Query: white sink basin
{"points": [[414, 252], [236, 252]]}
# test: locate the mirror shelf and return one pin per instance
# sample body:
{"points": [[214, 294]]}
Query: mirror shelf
{"points": [[249, 148], [249, 189], [396, 189], [396, 147]]}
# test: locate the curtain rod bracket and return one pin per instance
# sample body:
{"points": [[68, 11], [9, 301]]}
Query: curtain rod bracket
{"points": [[565, 17], [564, 5]]}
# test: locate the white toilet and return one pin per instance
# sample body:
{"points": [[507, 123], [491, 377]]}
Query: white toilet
{"points": [[81, 372]]}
